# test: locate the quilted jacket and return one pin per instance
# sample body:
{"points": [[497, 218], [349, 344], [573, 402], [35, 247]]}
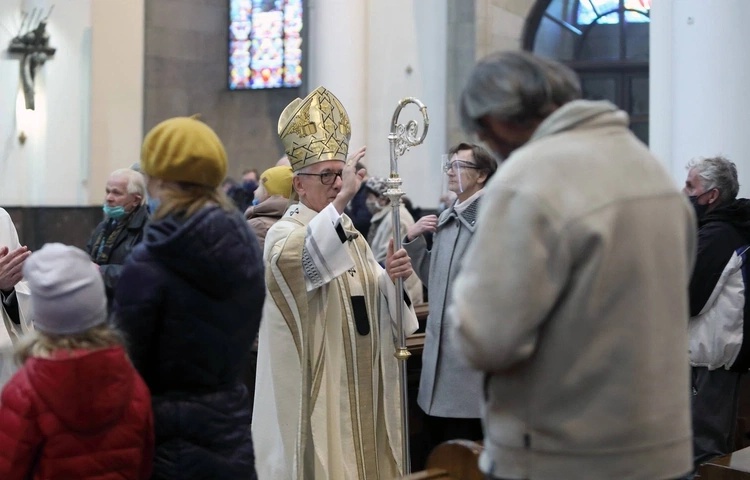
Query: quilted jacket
{"points": [[189, 302], [79, 415]]}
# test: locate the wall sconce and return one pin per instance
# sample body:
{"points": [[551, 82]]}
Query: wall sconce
{"points": [[29, 123], [33, 46]]}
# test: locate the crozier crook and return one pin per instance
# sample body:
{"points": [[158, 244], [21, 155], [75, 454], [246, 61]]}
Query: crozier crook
{"points": [[401, 138]]}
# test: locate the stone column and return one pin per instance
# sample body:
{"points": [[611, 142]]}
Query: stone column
{"points": [[698, 100], [338, 57], [116, 106]]}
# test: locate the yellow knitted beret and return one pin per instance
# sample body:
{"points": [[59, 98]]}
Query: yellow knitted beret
{"points": [[184, 149], [277, 181]]}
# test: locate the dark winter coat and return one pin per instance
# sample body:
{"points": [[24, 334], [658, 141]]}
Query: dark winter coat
{"points": [[358, 211], [718, 303], [189, 301], [128, 238], [85, 415]]}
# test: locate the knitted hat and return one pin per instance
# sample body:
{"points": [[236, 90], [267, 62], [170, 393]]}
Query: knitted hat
{"points": [[67, 291], [376, 185], [184, 149], [277, 181]]}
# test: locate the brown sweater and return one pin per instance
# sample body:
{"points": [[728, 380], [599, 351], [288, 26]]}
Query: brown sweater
{"points": [[260, 217]]}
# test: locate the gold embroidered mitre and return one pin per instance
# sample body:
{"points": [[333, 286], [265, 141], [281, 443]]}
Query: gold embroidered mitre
{"points": [[315, 129]]}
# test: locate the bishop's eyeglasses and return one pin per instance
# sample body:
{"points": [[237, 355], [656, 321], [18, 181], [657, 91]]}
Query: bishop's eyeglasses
{"points": [[326, 178], [457, 165]]}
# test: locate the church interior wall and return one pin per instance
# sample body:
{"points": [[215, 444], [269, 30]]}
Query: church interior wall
{"points": [[48, 168], [407, 57], [186, 66], [697, 84], [121, 69], [87, 121]]}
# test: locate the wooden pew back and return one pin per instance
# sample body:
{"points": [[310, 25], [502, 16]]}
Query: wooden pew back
{"points": [[452, 460]]}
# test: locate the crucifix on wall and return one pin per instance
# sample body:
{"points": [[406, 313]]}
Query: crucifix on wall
{"points": [[32, 43]]}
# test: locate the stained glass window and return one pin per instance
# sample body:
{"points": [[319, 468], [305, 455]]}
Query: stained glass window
{"points": [[265, 44], [591, 10]]}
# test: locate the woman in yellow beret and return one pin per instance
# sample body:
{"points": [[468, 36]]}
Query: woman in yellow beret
{"points": [[189, 301]]}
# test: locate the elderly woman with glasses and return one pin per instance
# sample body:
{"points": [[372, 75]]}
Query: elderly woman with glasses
{"points": [[450, 391]]}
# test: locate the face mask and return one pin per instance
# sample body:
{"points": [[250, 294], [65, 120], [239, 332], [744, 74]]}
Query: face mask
{"points": [[249, 186], [153, 204], [373, 207], [700, 210], [114, 212]]}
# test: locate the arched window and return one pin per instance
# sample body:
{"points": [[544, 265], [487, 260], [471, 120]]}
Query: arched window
{"points": [[605, 42]]}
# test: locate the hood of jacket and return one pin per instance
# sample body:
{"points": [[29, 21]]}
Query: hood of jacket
{"points": [[736, 213], [213, 250], [577, 112], [88, 390], [273, 206]]}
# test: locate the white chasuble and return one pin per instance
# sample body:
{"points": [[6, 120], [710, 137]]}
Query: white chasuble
{"points": [[327, 399], [9, 238]]}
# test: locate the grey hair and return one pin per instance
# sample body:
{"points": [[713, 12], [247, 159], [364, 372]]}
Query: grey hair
{"points": [[717, 172], [517, 87], [136, 182]]}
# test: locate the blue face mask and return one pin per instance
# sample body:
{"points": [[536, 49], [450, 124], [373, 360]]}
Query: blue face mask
{"points": [[153, 204], [249, 186], [114, 212]]}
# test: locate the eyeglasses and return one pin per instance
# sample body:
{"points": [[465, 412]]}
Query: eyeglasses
{"points": [[457, 164], [326, 178]]}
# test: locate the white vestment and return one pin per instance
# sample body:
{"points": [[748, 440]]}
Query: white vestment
{"points": [[327, 399], [12, 331]]}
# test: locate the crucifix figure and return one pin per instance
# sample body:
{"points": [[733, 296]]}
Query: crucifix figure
{"points": [[34, 47]]}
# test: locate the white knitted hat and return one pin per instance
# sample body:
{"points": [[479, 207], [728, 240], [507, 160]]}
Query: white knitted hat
{"points": [[67, 291]]}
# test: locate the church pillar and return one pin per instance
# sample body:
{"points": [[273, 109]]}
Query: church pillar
{"points": [[698, 100], [116, 90], [384, 51], [338, 59]]}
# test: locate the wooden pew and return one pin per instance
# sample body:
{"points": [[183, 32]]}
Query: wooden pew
{"points": [[735, 466], [452, 460], [430, 474], [460, 458], [415, 342]]}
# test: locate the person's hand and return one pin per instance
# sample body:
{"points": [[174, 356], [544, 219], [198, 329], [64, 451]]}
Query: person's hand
{"points": [[357, 156], [397, 264], [11, 266], [351, 180], [428, 223]]}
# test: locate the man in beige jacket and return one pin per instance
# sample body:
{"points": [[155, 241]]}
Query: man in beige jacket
{"points": [[573, 296]]}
